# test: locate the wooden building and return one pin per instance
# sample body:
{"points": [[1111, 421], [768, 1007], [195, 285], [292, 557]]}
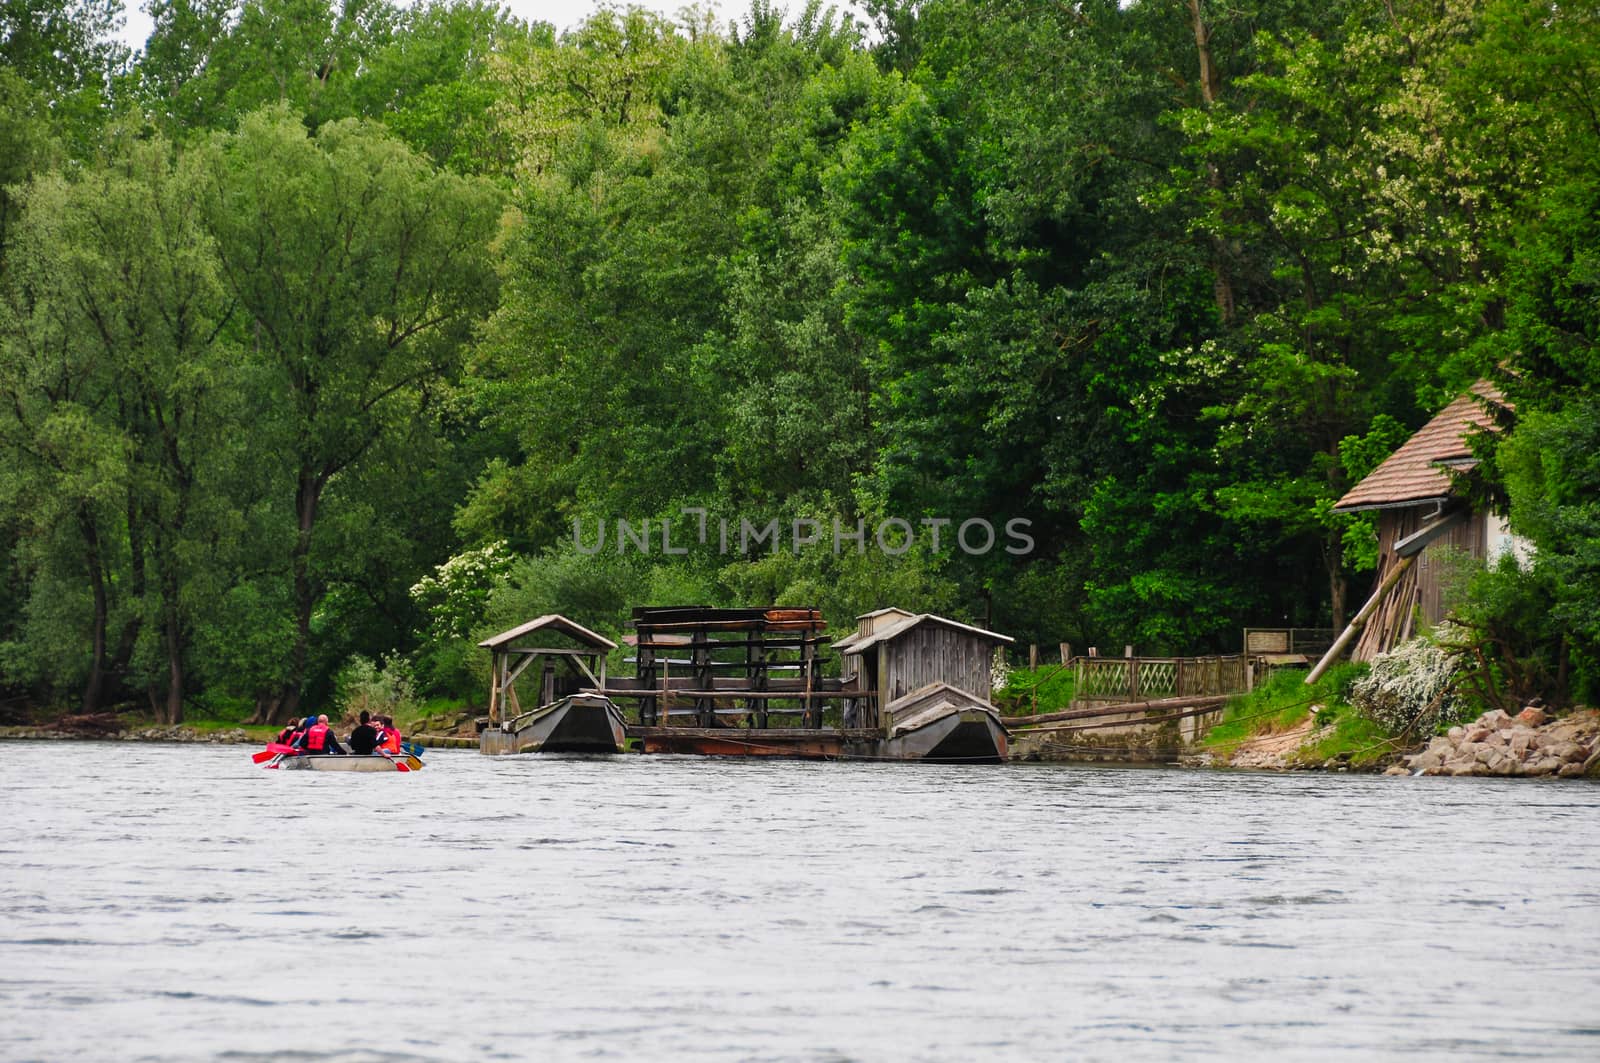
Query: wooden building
{"points": [[1423, 523], [917, 651], [866, 624]]}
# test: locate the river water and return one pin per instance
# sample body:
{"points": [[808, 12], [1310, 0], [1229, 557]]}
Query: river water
{"points": [[177, 902]]}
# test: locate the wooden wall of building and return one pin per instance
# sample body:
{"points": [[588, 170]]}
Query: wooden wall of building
{"points": [[930, 653], [1422, 597]]}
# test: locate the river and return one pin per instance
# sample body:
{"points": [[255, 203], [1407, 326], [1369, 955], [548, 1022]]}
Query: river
{"points": [[177, 902]]}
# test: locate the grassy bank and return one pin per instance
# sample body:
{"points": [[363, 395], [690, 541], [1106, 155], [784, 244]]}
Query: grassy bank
{"points": [[1284, 702]]}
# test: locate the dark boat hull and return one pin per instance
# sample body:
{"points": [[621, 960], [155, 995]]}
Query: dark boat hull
{"points": [[967, 736], [582, 723]]}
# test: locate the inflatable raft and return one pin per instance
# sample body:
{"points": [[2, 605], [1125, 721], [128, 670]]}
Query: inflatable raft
{"points": [[351, 762]]}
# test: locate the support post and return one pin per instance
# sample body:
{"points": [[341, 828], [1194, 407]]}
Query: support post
{"points": [[1359, 621]]}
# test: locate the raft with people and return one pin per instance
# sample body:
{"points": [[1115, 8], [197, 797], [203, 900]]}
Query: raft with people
{"points": [[352, 762], [310, 745]]}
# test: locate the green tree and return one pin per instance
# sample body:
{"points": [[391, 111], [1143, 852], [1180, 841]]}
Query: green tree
{"points": [[362, 271]]}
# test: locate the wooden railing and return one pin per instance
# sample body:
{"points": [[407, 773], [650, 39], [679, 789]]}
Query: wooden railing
{"points": [[1112, 679]]}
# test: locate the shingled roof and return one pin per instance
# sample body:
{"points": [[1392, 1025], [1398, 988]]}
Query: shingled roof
{"points": [[1416, 473]]}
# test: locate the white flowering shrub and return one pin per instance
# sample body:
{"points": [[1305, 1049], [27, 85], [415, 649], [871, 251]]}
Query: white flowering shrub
{"points": [[383, 689], [999, 671], [456, 596], [1411, 688]]}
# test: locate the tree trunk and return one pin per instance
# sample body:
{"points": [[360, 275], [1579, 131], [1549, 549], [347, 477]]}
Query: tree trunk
{"points": [[93, 689], [172, 629], [1338, 585], [1210, 92], [267, 703], [307, 497], [128, 639]]}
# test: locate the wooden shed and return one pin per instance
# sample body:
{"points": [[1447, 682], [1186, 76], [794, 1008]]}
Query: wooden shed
{"points": [[1422, 522], [918, 650]]}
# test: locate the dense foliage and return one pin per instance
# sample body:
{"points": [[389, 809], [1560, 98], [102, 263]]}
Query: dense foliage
{"points": [[302, 301]]}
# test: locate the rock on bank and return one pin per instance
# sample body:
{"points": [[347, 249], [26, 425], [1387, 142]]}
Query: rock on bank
{"points": [[1527, 744]]}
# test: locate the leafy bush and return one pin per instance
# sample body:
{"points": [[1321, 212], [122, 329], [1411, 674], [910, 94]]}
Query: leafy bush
{"points": [[1018, 690], [385, 689], [457, 593], [1411, 688], [1512, 644]]}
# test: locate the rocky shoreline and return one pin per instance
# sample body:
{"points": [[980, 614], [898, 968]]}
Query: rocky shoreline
{"points": [[1528, 744], [175, 733]]}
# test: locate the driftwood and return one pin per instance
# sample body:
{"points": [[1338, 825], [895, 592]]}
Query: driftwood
{"points": [[95, 723]]}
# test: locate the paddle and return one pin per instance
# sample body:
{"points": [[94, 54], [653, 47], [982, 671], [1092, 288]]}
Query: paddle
{"points": [[274, 749], [399, 765], [412, 748]]}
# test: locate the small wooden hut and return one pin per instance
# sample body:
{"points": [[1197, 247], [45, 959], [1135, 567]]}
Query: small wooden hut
{"points": [[898, 653], [1422, 520]]}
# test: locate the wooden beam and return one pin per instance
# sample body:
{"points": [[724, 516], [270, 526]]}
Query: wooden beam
{"points": [[1208, 702], [551, 652], [730, 694], [1359, 621], [495, 660], [584, 668], [516, 672], [1101, 725], [1418, 540]]}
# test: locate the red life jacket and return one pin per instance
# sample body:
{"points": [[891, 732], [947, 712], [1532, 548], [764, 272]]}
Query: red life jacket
{"points": [[391, 740], [286, 735], [317, 737]]}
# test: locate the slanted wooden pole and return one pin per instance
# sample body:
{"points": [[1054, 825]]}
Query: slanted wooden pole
{"points": [[1359, 621], [495, 658]]}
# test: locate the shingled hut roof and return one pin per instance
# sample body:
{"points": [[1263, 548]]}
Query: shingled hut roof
{"points": [[894, 631], [1419, 472]]}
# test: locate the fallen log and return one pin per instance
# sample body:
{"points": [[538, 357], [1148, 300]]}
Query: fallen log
{"points": [[97, 724], [1208, 702], [1095, 726]]}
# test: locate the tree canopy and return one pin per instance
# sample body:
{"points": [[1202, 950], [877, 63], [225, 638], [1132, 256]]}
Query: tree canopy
{"points": [[303, 300]]}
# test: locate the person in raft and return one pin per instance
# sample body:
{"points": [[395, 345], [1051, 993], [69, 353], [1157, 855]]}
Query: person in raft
{"points": [[286, 735], [391, 735], [364, 739], [297, 731], [319, 738]]}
